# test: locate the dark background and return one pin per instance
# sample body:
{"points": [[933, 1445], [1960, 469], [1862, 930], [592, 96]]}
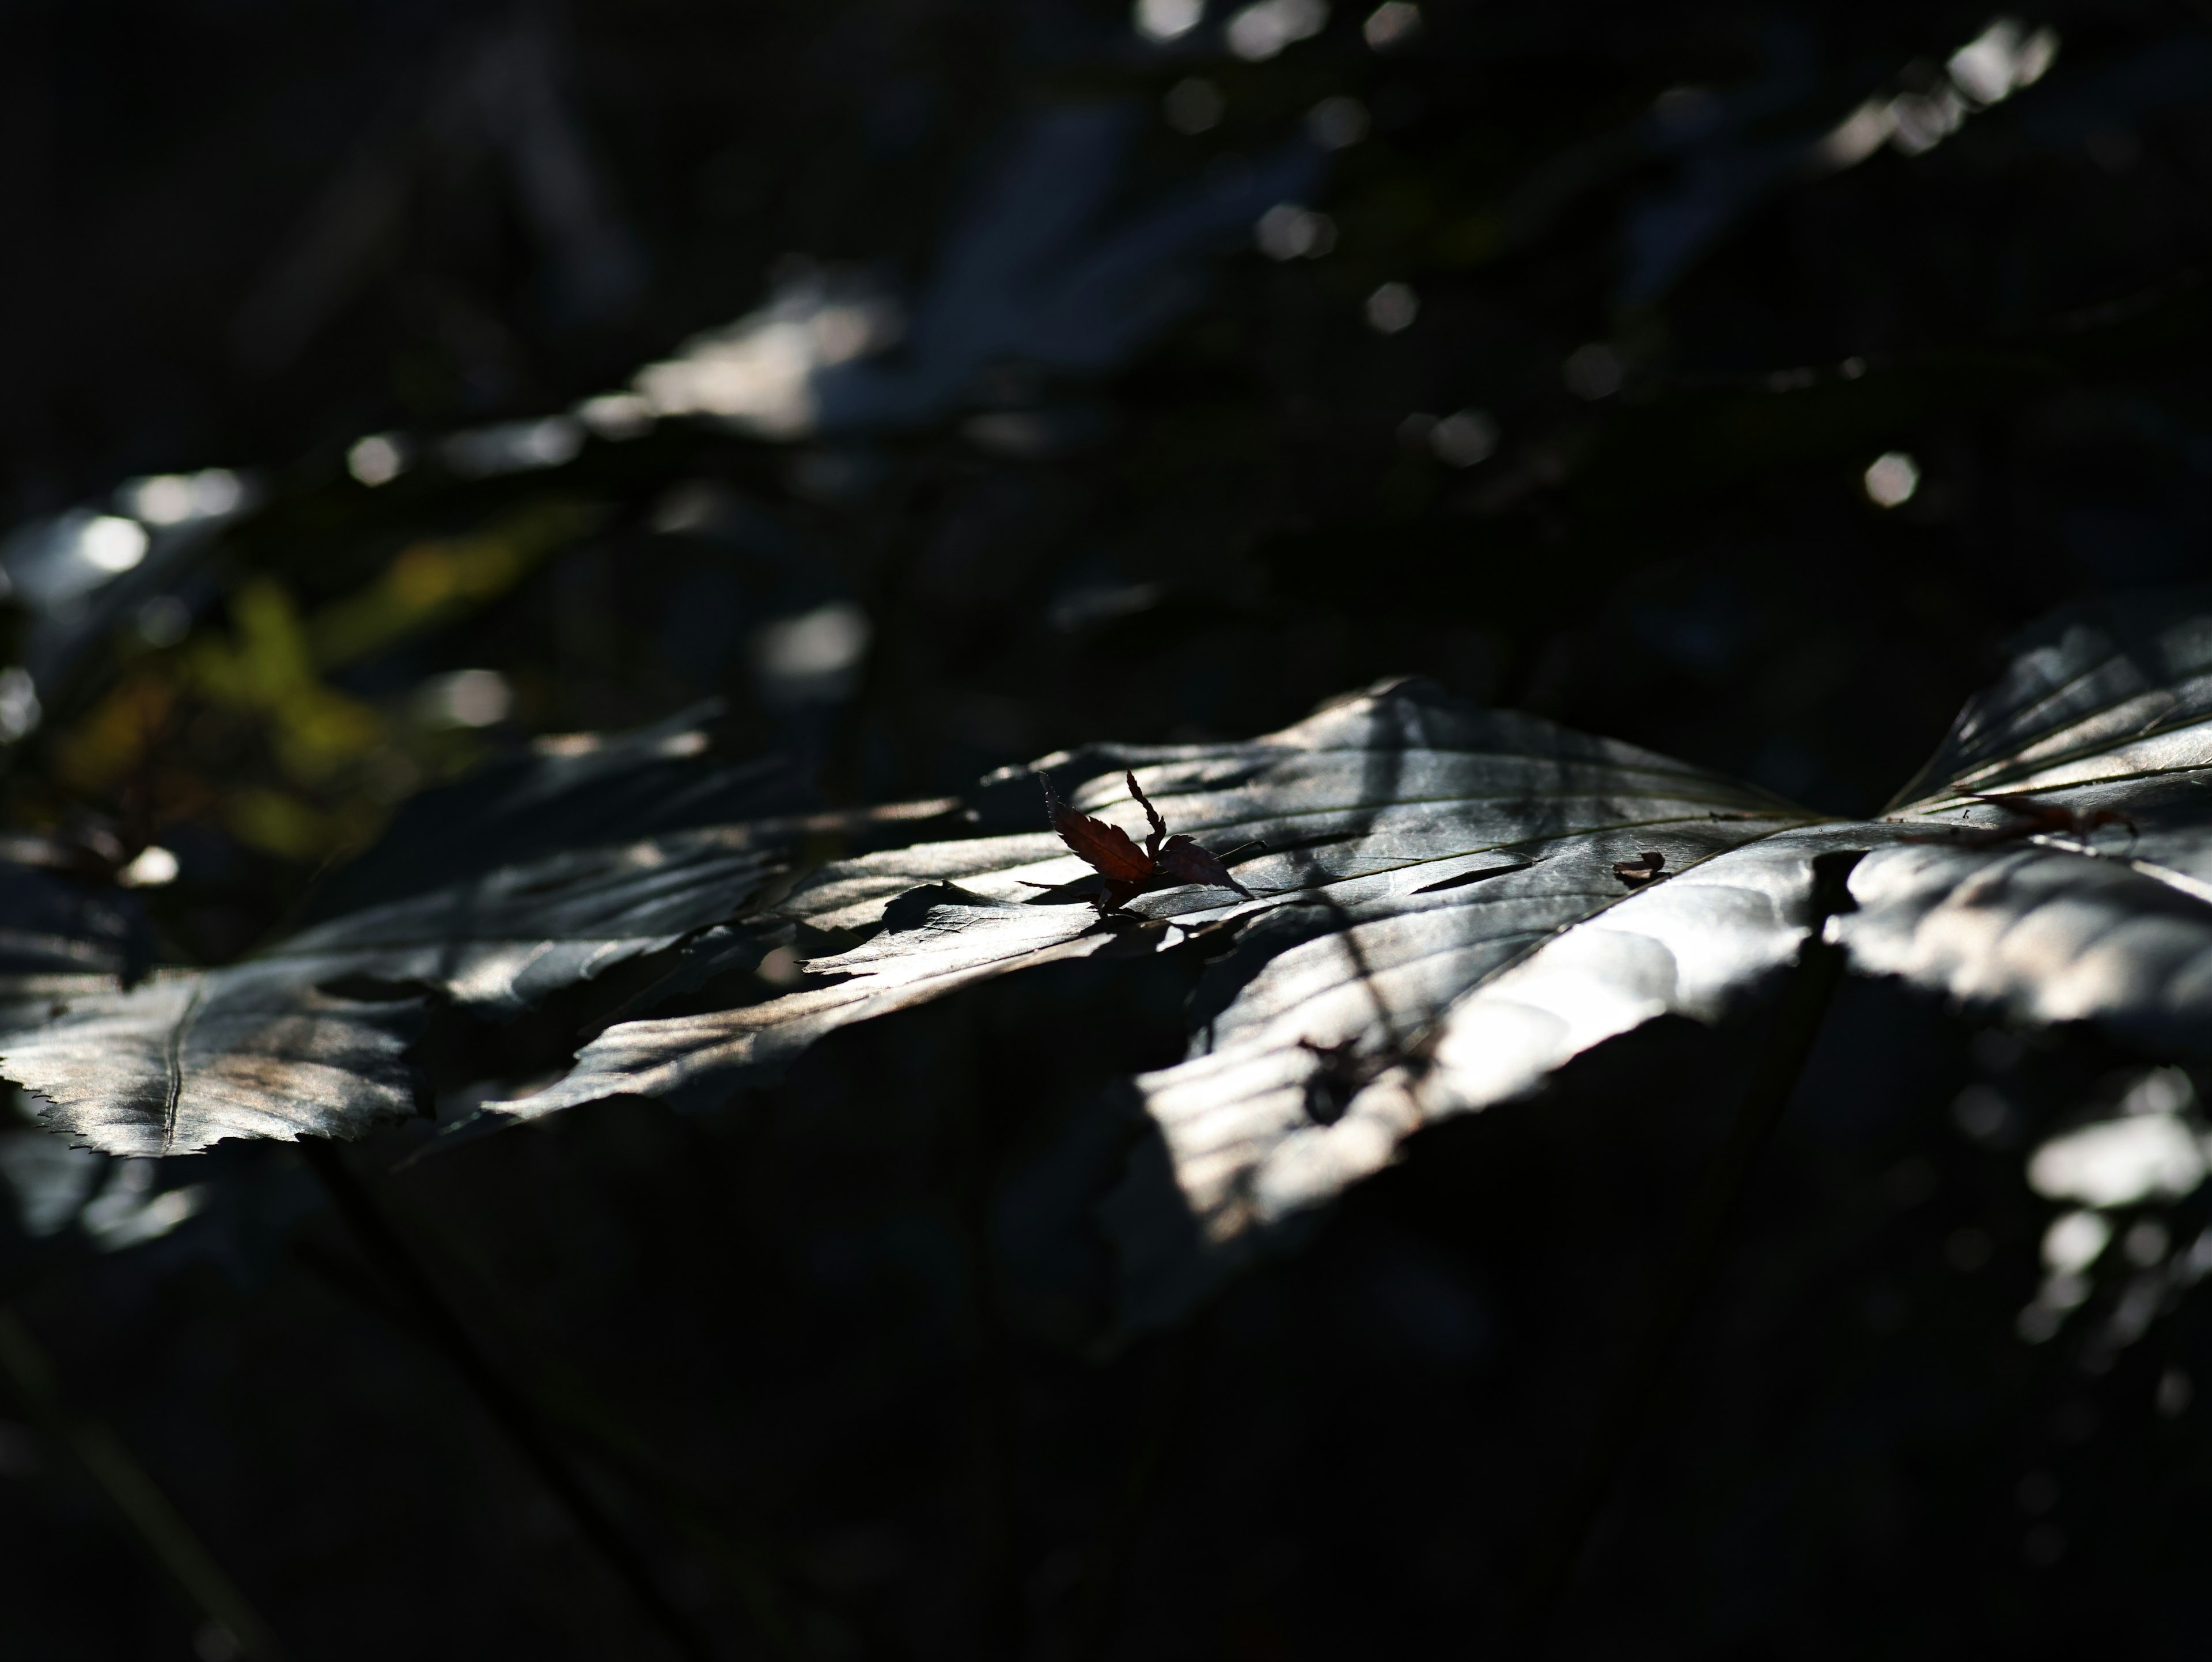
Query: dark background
{"points": [[816, 1353]]}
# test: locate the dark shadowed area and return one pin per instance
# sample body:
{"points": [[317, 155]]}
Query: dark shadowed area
{"points": [[571, 1097]]}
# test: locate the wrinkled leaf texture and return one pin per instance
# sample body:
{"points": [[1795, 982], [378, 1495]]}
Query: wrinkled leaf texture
{"points": [[1439, 925], [313, 1036]]}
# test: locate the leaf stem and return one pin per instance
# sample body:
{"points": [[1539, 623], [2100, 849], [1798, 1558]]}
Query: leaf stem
{"points": [[136, 1496], [567, 1401], [510, 1408], [998, 1592], [1699, 1253], [1105, 1566]]}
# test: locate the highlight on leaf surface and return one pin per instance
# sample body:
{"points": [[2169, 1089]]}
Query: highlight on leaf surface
{"points": [[1449, 903], [1455, 901], [315, 1035]]}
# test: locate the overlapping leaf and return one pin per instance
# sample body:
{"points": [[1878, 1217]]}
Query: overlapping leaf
{"points": [[1420, 852], [62, 937], [2103, 713], [1451, 902], [1487, 831], [313, 1036], [581, 790], [2105, 718], [1439, 921]]}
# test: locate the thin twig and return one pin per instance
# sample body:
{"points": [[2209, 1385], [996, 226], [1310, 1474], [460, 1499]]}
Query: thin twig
{"points": [[145, 1510], [1097, 1595], [578, 1409], [510, 1409], [1698, 1254], [999, 1593], [568, 1399]]}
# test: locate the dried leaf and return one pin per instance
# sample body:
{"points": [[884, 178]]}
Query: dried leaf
{"points": [[1458, 901], [311, 1036], [1107, 849], [1452, 903]]}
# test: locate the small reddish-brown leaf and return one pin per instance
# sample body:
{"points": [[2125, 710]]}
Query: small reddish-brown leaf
{"points": [[1160, 826], [1107, 849], [1641, 870], [1185, 863]]}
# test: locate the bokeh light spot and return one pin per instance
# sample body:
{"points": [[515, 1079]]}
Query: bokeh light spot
{"points": [[149, 869], [465, 699], [1391, 25], [1594, 371], [1286, 231], [1168, 20], [1465, 438], [1337, 123], [1392, 308], [1194, 105], [377, 459], [1891, 480], [112, 544], [1263, 30]]}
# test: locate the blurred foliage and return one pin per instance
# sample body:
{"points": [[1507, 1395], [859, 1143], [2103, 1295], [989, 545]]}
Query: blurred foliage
{"points": [[1667, 307]]}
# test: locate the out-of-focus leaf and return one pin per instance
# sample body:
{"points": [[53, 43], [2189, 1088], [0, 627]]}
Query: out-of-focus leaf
{"points": [[1033, 273], [48, 1181], [270, 1048], [310, 1036], [571, 792], [433, 581], [63, 938]]}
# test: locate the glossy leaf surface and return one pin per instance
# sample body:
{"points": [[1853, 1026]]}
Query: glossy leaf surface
{"points": [[1443, 919], [1450, 904], [312, 1036], [1416, 848], [266, 1047], [2105, 717]]}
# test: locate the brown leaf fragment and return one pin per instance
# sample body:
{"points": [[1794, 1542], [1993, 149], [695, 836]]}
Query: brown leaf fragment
{"points": [[1641, 870], [1184, 862], [1107, 849], [1129, 870]]}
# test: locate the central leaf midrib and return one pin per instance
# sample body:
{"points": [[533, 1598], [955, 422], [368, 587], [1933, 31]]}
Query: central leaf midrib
{"points": [[173, 1058]]}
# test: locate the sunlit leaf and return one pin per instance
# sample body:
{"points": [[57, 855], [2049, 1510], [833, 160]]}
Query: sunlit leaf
{"points": [[1447, 904], [1454, 902], [272, 1047], [252, 1051], [2105, 717], [1416, 847], [312, 1036]]}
